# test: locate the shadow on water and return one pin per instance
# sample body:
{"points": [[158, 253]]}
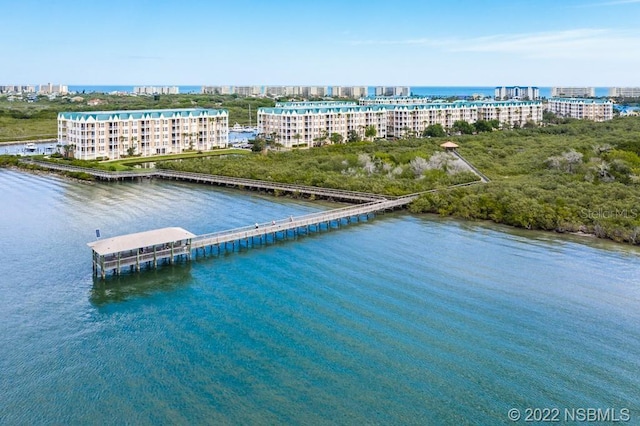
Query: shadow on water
{"points": [[120, 288]]}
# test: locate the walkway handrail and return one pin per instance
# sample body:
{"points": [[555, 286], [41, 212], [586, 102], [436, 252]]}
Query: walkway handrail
{"points": [[481, 175], [270, 184]]}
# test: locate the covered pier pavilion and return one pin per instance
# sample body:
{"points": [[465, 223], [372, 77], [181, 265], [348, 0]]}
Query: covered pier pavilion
{"points": [[142, 248]]}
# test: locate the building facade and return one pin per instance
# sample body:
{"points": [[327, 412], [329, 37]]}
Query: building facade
{"points": [[16, 89], [392, 91], [624, 92], [353, 92], [573, 92], [304, 123], [156, 90], [294, 124], [115, 134], [394, 100], [517, 92], [53, 89], [582, 109]]}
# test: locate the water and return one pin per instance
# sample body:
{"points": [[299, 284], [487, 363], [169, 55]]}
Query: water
{"points": [[47, 147], [400, 320]]}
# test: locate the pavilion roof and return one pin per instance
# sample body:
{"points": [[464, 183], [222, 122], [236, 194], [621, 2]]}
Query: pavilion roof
{"points": [[141, 239]]}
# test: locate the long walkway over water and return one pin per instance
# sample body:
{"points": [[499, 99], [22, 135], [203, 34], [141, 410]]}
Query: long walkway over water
{"points": [[155, 247]]}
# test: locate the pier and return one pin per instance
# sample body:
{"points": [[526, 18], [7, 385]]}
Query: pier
{"points": [[153, 248], [168, 245], [225, 181]]}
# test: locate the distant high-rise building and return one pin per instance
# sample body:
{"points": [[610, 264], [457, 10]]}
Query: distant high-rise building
{"points": [[53, 89], [14, 89], [392, 91], [155, 90], [573, 92], [624, 92], [517, 92], [354, 92]]}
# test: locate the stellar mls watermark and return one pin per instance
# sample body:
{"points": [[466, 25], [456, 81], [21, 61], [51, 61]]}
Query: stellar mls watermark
{"points": [[609, 213]]}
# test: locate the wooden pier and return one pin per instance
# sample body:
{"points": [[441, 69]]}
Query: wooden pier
{"points": [[153, 248], [226, 181]]}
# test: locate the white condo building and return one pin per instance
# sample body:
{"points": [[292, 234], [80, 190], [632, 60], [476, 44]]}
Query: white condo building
{"points": [[582, 109], [624, 92], [394, 100], [156, 90], [517, 92], [311, 120], [573, 92], [354, 92], [13, 89], [392, 91], [296, 124], [114, 134], [51, 89]]}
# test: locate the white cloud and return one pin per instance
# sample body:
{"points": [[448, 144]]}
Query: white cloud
{"points": [[610, 3], [592, 44]]}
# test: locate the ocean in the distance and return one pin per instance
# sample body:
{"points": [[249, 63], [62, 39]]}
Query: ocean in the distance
{"points": [[399, 320], [432, 91]]}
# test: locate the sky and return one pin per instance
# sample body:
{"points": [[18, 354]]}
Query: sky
{"points": [[321, 42]]}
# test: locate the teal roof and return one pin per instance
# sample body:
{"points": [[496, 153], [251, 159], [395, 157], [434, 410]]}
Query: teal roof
{"points": [[395, 107], [581, 100], [322, 109], [139, 114]]}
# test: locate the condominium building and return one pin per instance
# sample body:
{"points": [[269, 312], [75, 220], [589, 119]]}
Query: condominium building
{"points": [[232, 90], [573, 92], [583, 109], [301, 125], [217, 90], [156, 90], [353, 92], [14, 89], [624, 92], [517, 92], [403, 119], [53, 89], [247, 90], [302, 91], [315, 104], [298, 123], [114, 134], [394, 100], [392, 91]]}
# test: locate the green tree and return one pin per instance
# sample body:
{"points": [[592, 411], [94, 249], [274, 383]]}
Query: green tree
{"points": [[336, 138], [434, 131], [353, 136], [370, 132], [462, 127], [482, 126]]}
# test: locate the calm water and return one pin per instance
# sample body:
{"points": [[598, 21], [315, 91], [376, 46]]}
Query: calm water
{"points": [[400, 320]]}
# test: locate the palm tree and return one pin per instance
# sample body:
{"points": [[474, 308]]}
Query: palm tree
{"points": [[297, 137]]}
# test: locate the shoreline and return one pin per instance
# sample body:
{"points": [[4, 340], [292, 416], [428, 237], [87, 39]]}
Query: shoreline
{"points": [[580, 234]]}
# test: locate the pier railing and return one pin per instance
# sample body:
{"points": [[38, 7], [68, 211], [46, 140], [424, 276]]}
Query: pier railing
{"points": [[284, 225]]}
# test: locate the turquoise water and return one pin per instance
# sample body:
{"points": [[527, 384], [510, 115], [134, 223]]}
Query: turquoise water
{"points": [[400, 320]]}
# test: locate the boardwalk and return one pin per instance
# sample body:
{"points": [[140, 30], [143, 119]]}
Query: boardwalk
{"points": [[156, 250], [152, 250], [252, 184]]}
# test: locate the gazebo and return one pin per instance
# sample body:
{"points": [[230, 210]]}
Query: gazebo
{"points": [[449, 146]]}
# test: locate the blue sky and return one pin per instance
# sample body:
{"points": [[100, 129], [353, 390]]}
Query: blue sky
{"points": [[330, 42]]}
